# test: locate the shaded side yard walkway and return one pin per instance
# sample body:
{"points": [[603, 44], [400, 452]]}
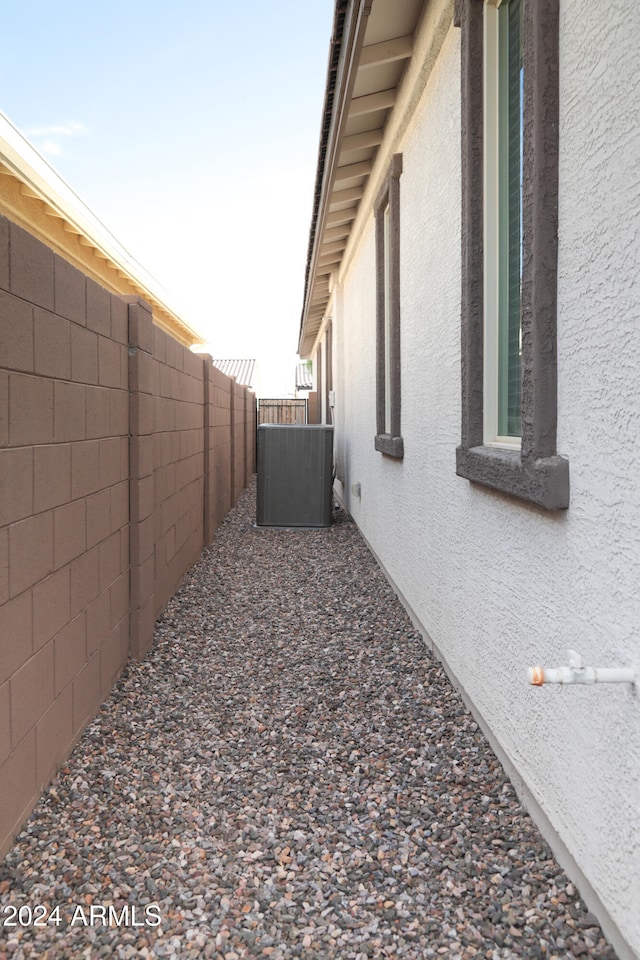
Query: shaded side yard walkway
{"points": [[288, 774]]}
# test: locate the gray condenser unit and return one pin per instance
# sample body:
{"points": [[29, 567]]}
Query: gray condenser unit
{"points": [[295, 475]]}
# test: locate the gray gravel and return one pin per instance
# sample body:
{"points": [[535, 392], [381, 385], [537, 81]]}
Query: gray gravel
{"points": [[288, 774]]}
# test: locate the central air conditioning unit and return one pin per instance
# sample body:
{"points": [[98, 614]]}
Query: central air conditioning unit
{"points": [[295, 475]]}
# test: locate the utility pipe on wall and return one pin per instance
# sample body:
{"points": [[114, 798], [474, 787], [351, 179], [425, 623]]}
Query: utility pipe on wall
{"points": [[576, 672]]}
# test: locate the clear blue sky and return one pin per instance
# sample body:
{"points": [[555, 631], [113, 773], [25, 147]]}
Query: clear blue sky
{"points": [[192, 132]]}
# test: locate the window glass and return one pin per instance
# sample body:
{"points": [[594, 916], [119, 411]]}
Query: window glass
{"points": [[387, 323], [510, 125]]}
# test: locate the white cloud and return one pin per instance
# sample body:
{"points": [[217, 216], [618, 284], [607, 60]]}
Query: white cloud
{"points": [[53, 134], [50, 147], [72, 129]]}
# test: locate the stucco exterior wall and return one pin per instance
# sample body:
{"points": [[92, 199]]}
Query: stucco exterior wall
{"points": [[497, 584]]}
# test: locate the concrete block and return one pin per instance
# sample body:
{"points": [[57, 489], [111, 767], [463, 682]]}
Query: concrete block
{"points": [[119, 320], [17, 786], [98, 412], [140, 371], [142, 624], [70, 296], [111, 662], [16, 333], [119, 400], [110, 462], [30, 551], [142, 540], [5, 723], [54, 734], [70, 652], [84, 580], [165, 381], [31, 268], [32, 692], [170, 351], [98, 308], [155, 377], [70, 532], [98, 517], [124, 367], [16, 632], [140, 324], [142, 498], [69, 411], [30, 410], [142, 455], [124, 639], [170, 544], [51, 345], [4, 408], [51, 607], [161, 484], [86, 692], [159, 344], [4, 565], [4, 256], [109, 373], [119, 599], [119, 505], [175, 385], [84, 355], [51, 476], [85, 468], [124, 548], [109, 553], [142, 583], [16, 484], [142, 419], [99, 620]]}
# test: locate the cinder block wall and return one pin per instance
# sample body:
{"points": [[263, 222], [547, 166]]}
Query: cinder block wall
{"points": [[116, 458], [64, 510], [218, 457], [239, 473]]}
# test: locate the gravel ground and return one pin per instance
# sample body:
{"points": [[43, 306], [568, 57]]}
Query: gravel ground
{"points": [[288, 774]]}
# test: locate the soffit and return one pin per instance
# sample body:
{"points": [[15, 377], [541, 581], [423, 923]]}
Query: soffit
{"points": [[376, 67]]}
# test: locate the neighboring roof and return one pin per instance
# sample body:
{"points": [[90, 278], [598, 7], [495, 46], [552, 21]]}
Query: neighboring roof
{"points": [[35, 197], [370, 48], [304, 377], [242, 370]]}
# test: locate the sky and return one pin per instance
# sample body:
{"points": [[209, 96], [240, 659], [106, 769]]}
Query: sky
{"points": [[192, 132]]}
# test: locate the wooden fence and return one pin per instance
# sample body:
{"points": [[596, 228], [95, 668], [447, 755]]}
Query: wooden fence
{"points": [[282, 411]]}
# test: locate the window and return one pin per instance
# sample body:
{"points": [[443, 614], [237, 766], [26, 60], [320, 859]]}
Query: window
{"points": [[509, 248], [329, 374], [503, 154], [387, 219], [319, 417]]}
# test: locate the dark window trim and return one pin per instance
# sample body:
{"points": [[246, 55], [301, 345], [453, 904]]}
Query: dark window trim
{"points": [[391, 443], [319, 383], [328, 341], [535, 472]]}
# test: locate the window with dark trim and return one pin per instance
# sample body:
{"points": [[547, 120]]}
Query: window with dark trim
{"points": [[329, 372], [320, 418], [509, 249], [387, 219]]}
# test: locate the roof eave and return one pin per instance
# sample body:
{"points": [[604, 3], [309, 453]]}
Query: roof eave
{"points": [[350, 20]]}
